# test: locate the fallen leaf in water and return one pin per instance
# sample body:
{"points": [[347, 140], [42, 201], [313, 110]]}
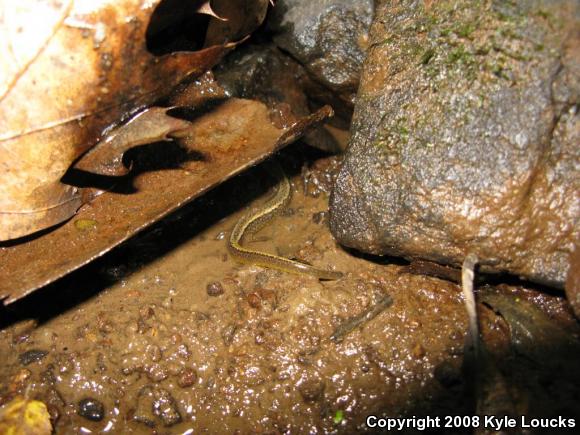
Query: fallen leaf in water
{"points": [[69, 70], [24, 417]]}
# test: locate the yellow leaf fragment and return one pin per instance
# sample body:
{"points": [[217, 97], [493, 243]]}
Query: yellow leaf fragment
{"points": [[21, 416], [85, 224]]}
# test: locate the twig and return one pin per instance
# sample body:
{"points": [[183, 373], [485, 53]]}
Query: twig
{"points": [[367, 315]]}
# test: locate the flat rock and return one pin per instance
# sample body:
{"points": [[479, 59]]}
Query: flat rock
{"points": [[465, 137]]}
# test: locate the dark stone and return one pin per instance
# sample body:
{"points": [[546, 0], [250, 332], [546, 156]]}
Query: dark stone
{"points": [[264, 73], [215, 288], [31, 356], [91, 409], [327, 37], [254, 300], [465, 137]]}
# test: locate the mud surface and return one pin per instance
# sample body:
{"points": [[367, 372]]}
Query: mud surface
{"points": [[168, 334]]}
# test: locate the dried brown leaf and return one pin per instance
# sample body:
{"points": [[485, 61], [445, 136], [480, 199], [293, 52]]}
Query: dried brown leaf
{"points": [[68, 71], [205, 8]]}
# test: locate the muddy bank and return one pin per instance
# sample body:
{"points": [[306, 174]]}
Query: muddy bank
{"points": [[169, 334]]}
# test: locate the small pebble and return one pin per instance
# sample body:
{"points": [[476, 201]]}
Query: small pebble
{"points": [[320, 217], [91, 409], [106, 327], [183, 351], [228, 333], [259, 338], [31, 356], [167, 302], [254, 300], [187, 378], [157, 372], [215, 289], [22, 375], [311, 391], [261, 279], [418, 351], [173, 368], [153, 402], [147, 312], [153, 352], [21, 338]]}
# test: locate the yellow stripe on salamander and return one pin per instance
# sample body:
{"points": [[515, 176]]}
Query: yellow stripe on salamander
{"points": [[255, 220]]}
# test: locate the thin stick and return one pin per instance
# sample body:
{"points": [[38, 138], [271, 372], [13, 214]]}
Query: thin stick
{"points": [[467, 276]]}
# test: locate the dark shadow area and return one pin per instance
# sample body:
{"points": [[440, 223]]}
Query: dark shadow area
{"points": [[533, 378], [140, 159], [154, 156], [495, 279], [378, 259], [29, 237], [453, 274], [175, 26]]}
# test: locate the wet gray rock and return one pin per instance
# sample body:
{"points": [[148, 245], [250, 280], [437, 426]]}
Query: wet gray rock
{"points": [[328, 37], [264, 73], [465, 137]]}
